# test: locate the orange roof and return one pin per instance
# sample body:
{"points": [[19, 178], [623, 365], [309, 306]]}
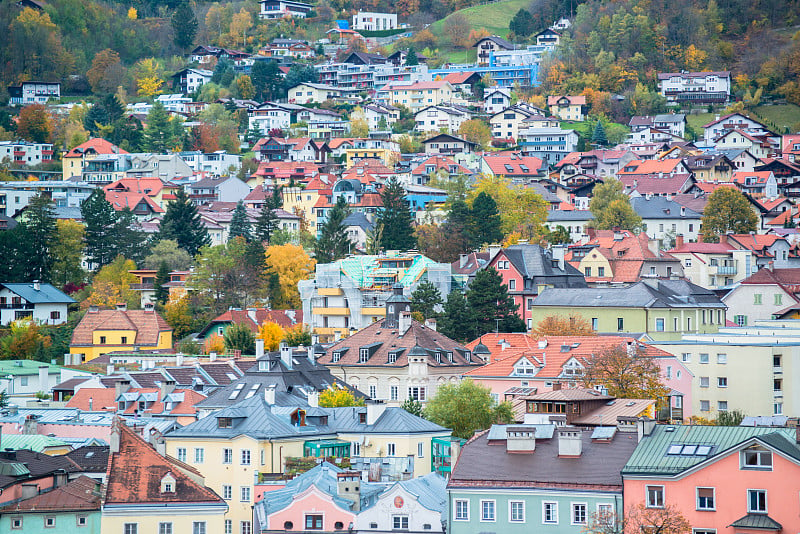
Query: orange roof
{"points": [[336, 142], [652, 166], [440, 162], [513, 165], [122, 200], [149, 186], [770, 205], [708, 187], [456, 78], [147, 324], [102, 400], [95, 145], [761, 177]]}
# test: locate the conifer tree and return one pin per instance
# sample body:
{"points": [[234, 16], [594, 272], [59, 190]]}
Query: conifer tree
{"points": [[486, 220], [40, 230], [184, 26], [599, 136], [395, 218], [266, 223], [160, 135], [411, 57], [490, 305], [456, 321], [162, 277], [182, 224], [240, 223], [100, 219], [333, 243]]}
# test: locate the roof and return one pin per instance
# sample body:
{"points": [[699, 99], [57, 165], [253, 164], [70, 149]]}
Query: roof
{"points": [[781, 277], [658, 207], [283, 318], [90, 458], [514, 165], [669, 184], [95, 145], [81, 494], [46, 294], [147, 324], [667, 75], [610, 412], [31, 442], [578, 100], [646, 294], [27, 465], [757, 521], [497, 40], [535, 262]]}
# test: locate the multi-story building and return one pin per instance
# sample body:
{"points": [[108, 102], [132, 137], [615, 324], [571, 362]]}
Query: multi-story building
{"points": [[568, 108], [31, 92], [496, 99], [312, 93], [714, 265], [664, 219], [223, 189], [42, 303], [278, 9], [549, 144], [487, 45], [507, 122], [191, 80], [418, 95], [73, 162], [695, 87], [350, 294], [365, 20], [24, 153], [768, 293], [14, 196], [441, 118]]}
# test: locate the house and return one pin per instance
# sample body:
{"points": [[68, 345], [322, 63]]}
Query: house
{"points": [[711, 167], [549, 144], [419, 94], [278, 9], [598, 162], [581, 406], [448, 145], [140, 204], [373, 22], [446, 118], [269, 116], [728, 123], [464, 82], [282, 173], [488, 45], [191, 80], [33, 92], [528, 269], [722, 479], [378, 114], [73, 162], [768, 249], [253, 318], [714, 265], [28, 473], [312, 93], [420, 503], [765, 294], [203, 54], [281, 47], [759, 146], [222, 189], [574, 221], [42, 303], [695, 87], [351, 293], [508, 122], [568, 108], [661, 309], [440, 167], [25, 153], [518, 476], [496, 99], [24, 378], [148, 492], [358, 228], [217, 163], [104, 331], [672, 123], [757, 184], [548, 38], [665, 219], [512, 165], [397, 358], [75, 504]]}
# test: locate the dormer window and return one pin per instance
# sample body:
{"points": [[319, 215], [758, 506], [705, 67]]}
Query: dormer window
{"points": [[336, 356], [524, 368], [363, 355], [224, 422], [450, 356], [438, 357], [168, 483], [757, 457], [392, 357], [263, 365], [468, 356]]}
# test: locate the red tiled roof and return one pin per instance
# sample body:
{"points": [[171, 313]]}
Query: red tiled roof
{"points": [[103, 400], [761, 177], [262, 315], [703, 248], [95, 145], [81, 494], [670, 184], [129, 200], [456, 78], [441, 162], [708, 187], [782, 277], [147, 324], [498, 165], [652, 166], [579, 100]]}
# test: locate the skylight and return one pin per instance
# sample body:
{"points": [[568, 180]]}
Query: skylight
{"points": [[236, 391], [679, 449], [252, 391]]}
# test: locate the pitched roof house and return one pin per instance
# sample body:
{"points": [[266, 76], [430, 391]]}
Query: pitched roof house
{"points": [[41, 302], [75, 504]]}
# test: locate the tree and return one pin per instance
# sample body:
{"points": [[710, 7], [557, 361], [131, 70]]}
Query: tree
{"points": [[456, 27], [395, 218], [727, 211], [559, 325], [100, 219], [25, 341], [522, 24], [465, 408], [272, 334], [266, 78], [612, 207], [167, 251], [490, 305], [639, 520], [298, 335], [359, 127], [521, 209], [148, 78], [216, 275], [411, 58], [162, 132], [35, 124], [425, 299], [374, 240], [266, 223], [477, 131], [184, 26], [558, 236], [626, 373], [441, 242], [413, 407], [456, 322], [112, 284], [162, 277], [238, 336], [337, 396], [67, 251], [333, 242], [289, 264], [182, 223], [730, 418], [599, 135], [241, 22], [240, 223], [245, 86], [40, 230], [178, 315], [106, 72], [486, 220]]}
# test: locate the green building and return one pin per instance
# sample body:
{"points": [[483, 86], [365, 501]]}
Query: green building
{"points": [[73, 507]]}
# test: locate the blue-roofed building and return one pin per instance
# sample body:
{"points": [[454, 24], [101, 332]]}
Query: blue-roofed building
{"points": [[41, 302]]}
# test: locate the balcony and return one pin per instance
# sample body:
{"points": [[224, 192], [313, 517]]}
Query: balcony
{"points": [[330, 311], [726, 269], [18, 306]]}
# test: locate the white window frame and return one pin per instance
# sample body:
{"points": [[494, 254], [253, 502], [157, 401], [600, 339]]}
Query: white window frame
{"points": [[227, 456], [421, 449], [511, 511], [484, 517], [244, 494], [758, 466], [227, 492], [647, 501], [713, 508], [245, 456], [463, 504], [554, 506], [573, 507], [766, 502], [180, 453], [199, 455], [391, 449], [165, 527]]}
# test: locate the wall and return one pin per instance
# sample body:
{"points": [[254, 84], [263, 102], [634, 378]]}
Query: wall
{"points": [[742, 301], [33, 523], [387, 506], [311, 501], [148, 518]]}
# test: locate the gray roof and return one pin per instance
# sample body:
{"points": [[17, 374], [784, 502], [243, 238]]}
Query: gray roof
{"points": [[645, 294], [499, 432], [431, 491], [534, 262], [46, 294], [569, 215], [670, 117], [658, 207], [757, 521]]}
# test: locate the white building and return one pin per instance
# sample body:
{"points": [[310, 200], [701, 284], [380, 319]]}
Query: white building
{"points": [[24, 153], [549, 144], [312, 93], [695, 87], [269, 116], [41, 302], [364, 20], [190, 80], [217, 163], [14, 196], [441, 118], [278, 9], [25, 378], [376, 112], [496, 99], [33, 92]]}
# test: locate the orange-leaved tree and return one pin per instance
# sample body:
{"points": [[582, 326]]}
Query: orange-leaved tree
{"points": [[561, 325]]}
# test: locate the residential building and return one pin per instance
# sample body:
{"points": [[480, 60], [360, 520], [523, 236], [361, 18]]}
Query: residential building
{"points": [[574, 221], [672, 123], [517, 476], [487, 45], [714, 265], [25, 153], [528, 269], [568, 108], [373, 22], [664, 219], [508, 122], [104, 331], [548, 37], [32, 92], [584, 407], [281, 173], [75, 506], [728, 123], [278, 9], [448, 145], [419, 94], [440, 167], [73, 162], [496, 99], [253, 318], [768, 293], [269, 116], [312, 93], [770, 250], [711, 167], [25, 378], [695, 87], [42, 303], [759, 146], [376, 113], [722, 479], [549, 144], [599, 162], [217, 163], [397, 358], [358, 229], [441, 118], [511, 165], [385, 150], [350, 294], [148, 492], [28, 473], [757, 184], [661, 309], [202, 54], [191, 80], [222, 189]]}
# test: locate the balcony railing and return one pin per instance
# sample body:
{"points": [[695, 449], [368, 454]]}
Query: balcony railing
{"points": [[20, 306], [726, 269]]}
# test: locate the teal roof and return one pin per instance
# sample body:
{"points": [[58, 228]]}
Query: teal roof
{"points": [[31, 442], [46, 294], [26, 367], [669, 449]]}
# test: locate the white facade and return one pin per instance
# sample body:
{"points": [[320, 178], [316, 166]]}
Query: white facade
{"points": [[278, 9], [216, 163], [34, 93], [268, 118], [398, 502], [24, 153], [312, 93], [20, 378], [549, 144], [748, 303], [193, 79], [695, 86], [496, 99], [364, 20], [16, 195], [375, 112], [440, 119]]}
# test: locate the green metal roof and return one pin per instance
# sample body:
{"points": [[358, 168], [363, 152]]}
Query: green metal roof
{"points": [[326, 443], [24, 367], [657, 453], [31, 442], [363, 270]]}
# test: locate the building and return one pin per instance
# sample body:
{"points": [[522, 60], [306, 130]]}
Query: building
{"points": [[25, 153], [31, 92], [42, 303], [75, 506], [768, 293], [549, 144], [350, 294], [191, 80], [714, 265], [517, 476], [222, 189], [373, 22], [313, 93], [568, 108], [104, 331], [419, 94], [148, 492], [507, 122], [671, 123], [216, 163], [728, 123], [278, 9], [722, 479], [441, 118], [664, 219], [661, 309], [489, 45], [695, 87], [252, 318], [25, 378], [397, 358], [511, 165], [73, 162], [448, 145], [496, 99], [379, 115]]}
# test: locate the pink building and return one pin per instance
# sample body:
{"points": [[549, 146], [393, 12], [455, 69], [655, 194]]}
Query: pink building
{"points": [[725, 480]]}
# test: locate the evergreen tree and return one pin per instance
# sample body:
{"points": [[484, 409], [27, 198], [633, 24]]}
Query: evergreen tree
{"points": [[128, 238], [266, 223], [103, 113], [490, 305], [40, 230], [395, 218], [184, 26], [110, 232], [486, 220], [425, 299], [240, 223], [456, 321], [159, 135], [14, 247], [333, 243], [523, 23], [267, 80], [162, 277], [599, 136], [411, 57], [182, 223]]}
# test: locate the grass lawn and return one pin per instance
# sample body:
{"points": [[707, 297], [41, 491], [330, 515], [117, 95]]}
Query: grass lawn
{"points": [[781, 115], [494, 17]]}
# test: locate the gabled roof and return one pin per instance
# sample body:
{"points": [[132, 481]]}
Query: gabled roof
{"points": [[647, 294], [577, 100], [513, 165], [82, 494], [96, 145], [534, 262], [659, 207], [283, 318], [130, 200], [46, 294], [502, 43], [147, 324], [440, 162]]}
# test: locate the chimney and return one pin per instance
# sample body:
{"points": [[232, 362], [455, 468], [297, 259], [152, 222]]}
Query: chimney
{"points": [[771, 266], [645, 427], [570, 442], [462, 260], [313, 398], [94, 309], [286, 355], [120, 387], [212, 357], [679, 241], [179, 359], [723, 239], [269, 394], [31, 425], [167, 387], [110, 369], [122, 306], [348, 487], [558, 255], [36, 285], [375, 409], [405, 322], [430, 323], [520, 438], [44, 378], [314, 339], [311, 355], [113, 440], [149, 307], [337, 336], [259, 348], [91, 404]]}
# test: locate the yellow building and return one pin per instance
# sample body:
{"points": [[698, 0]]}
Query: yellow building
{"points": [[72, 162], [149, 493], [568, 108], [104, 331], [419, 95]]}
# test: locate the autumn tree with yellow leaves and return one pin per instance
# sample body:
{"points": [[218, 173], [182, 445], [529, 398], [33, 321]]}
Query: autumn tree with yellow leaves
{"points": [[288, 264], [272, 334], [337, 396], [112, 285], [149, 77]]}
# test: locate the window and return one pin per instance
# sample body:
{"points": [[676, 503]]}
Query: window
{"points": [[579, 513], [421, 449], [227, 456], [130, 528], [620, 324], [16, 523], [722, 359], [550, 512], [594, 323], [181, 453], [124, 340], [777, 408], [373, 391], [244, 493], [687, 262], [757, 501], [778, 299], [669, 372], [49, 522], [288, 525], [199, 455], [245, 527], [705, 498], [705, 406], [659, 325], [740, 320], [399, 522], [165, 528], [776, 360], [462, 510], [722, 381], [416, 393], [756, 458], [81, 520], [103, 342], [225, 422], [57, 314], [393, 393], [601, 271], [703, 358], [777, 385], [655, 496], [245, 456], [587, 271], [512, 284], [355, 449], [227, 492], [487, 510], [757, 298], [516, 511], [390, 449], [703, 381], [363, 355]]}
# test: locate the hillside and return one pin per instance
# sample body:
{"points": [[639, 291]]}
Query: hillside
{"points": [[494, 17]]}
